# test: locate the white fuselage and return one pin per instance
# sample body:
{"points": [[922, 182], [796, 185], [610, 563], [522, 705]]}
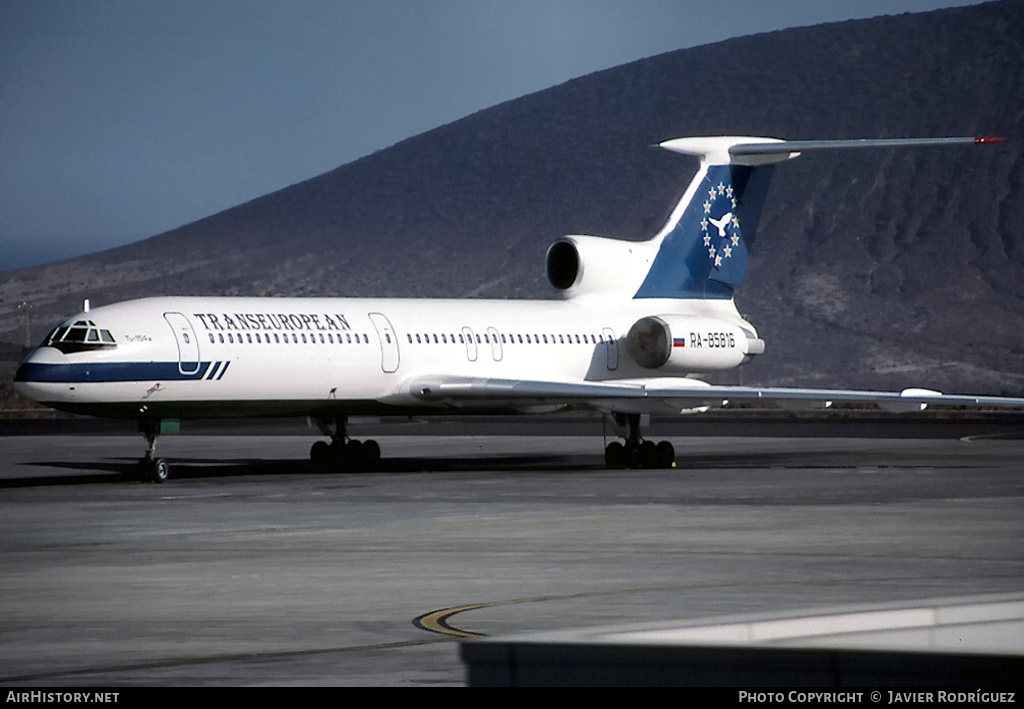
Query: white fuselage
{"points": [[195, 356]]}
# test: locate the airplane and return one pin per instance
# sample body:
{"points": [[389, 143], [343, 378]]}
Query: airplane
{"points": [[640, 328]]}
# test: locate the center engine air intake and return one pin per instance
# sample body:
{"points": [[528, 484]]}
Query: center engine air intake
{"points": [[584, 266], [563, 264]]}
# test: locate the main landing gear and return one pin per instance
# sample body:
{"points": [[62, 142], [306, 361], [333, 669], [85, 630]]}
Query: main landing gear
{"points": [[342, 454], [635, 452], [150, 468]]}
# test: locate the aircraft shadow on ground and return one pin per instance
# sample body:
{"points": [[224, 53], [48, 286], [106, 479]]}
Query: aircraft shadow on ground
{"points": [[121, 470]]}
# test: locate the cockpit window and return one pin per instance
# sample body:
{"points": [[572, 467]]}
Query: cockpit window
{"points": [[82, 336]]}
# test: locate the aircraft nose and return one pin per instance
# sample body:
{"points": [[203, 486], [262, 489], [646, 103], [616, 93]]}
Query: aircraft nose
{"points": [[38, 374], [40, 365]]}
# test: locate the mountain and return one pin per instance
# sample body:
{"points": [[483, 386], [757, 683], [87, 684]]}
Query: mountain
{"points": [[875, 269]]}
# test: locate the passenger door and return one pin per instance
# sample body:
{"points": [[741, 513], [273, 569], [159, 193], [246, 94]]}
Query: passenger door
{"points": [[389, 354], [188, 345]]}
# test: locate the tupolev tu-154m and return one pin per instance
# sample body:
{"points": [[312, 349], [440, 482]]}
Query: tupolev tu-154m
{"points": [[640, 329]]}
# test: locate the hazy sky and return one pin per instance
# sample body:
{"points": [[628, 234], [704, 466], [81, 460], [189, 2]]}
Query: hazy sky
{"points": [[121, 119]]}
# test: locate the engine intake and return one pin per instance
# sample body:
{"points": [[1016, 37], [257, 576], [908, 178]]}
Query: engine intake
{"points": [[649, 342], [563, 264], [585, 266], [675, 343]]}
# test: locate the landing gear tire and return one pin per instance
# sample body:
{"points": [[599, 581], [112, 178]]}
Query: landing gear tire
{"points": [[371, 454], [647, 454], [149, 470], [361, 456], [353, 455], [615, 455], [666, 454], [159, 471], [320, 456], [344, 456]]}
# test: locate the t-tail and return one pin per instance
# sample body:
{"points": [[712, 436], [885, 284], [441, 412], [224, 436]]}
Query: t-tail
{"points": [[703, 249]]}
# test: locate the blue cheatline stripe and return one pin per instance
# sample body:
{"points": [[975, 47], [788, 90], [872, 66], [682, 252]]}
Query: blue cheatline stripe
{"points": [[112, 372]]}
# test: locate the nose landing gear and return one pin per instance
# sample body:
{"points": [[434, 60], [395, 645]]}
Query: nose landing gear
{"points": [[150, 468]]}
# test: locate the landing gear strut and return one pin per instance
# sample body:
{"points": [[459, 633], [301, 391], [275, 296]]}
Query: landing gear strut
{"points": [[150, 468], [342, 454], [635, 452]]}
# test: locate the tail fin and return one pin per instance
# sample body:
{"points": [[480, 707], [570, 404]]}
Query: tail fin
{"points": [[702, 250]]}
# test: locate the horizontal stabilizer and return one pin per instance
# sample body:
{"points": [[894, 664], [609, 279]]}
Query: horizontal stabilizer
{"points": [[738, 150]]}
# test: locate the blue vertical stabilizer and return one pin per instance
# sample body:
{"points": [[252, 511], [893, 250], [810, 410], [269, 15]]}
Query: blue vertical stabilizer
{"points": [[704, 255]]}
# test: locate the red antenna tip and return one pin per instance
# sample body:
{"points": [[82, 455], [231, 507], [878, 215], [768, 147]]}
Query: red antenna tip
{"points": [[988, 139]]}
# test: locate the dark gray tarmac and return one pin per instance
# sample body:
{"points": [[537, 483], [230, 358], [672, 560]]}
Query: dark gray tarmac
{"points": [[248, 569]]}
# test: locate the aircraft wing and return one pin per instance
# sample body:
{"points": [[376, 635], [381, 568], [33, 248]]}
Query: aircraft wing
{"points": [[675, 395]]}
